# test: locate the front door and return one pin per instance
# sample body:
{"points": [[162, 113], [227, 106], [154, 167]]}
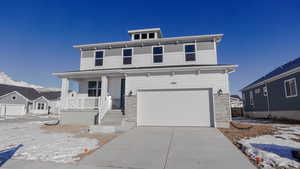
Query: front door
{"points": [[122, 99]]}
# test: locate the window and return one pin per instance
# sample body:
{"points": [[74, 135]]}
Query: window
{"points": [[99, 58], [144, 36], [127, 56], [14, 97], [136, 36], [190, 54], [251, 98], [265, 89], [151, 35], [157, 54], [94, 88], [41, 106], [290, 88], [257, 91]]}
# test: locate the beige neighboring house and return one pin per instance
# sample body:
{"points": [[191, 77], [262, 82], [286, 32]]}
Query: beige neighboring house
{"points": [[149, 80]]}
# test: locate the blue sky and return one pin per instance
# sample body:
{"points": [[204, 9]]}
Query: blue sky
{"points": [[36, 37]]}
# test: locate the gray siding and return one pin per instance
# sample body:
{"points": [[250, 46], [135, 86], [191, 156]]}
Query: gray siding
{"points": [[205, 45], [8, 99], [142, 50], [276, 96], [173, 48], [113, 52], [41, 100], [87, 54], [148, 49]]}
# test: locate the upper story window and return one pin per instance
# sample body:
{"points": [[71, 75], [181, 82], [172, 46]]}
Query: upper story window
{"points": [[99, 58], [127, 56], [290, 86], [251, 98], [94, 88], [190, 52], [157, 54]]}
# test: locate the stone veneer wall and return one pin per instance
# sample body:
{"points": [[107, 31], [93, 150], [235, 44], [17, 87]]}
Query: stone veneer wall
{"points": [[131, 108], [222, 110]]}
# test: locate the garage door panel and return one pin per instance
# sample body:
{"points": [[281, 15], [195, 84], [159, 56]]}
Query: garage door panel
{"points": [[174, 108]]}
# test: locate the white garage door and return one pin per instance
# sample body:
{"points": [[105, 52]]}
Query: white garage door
{"points": [[12, 109], [174, 108]]}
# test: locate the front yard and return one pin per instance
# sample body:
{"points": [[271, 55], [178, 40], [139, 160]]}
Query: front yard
{"points": [[268, 145], [60, 144]]}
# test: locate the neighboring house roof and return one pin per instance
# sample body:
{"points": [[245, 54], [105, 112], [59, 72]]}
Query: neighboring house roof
{"points": [[27, 92], [52, 95], [278, 71]]}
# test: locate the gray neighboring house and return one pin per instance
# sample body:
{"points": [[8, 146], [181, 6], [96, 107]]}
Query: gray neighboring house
{"points": [[17, 100], [275, 95]]}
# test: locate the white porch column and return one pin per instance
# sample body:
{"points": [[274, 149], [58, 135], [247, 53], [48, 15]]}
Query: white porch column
{"points": [[104, 86], [64, 92]]}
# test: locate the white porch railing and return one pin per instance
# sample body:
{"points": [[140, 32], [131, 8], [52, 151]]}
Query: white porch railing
{"points": [[82, 103], [105, 104]]}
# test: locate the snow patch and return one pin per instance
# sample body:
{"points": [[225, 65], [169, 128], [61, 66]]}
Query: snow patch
{"points": [[275, 150], [39, 145]]}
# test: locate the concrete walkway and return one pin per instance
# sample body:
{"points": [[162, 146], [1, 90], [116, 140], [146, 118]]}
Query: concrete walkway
{"points": [[169, 148]]}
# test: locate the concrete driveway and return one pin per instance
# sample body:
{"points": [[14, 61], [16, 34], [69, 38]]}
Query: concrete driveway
{"points": [[169, 148]]}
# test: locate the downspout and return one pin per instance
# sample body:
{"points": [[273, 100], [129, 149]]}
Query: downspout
{"points": [[268, 101]]}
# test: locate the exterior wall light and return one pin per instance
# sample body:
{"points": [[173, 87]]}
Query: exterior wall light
{"points": [[220, 92]]}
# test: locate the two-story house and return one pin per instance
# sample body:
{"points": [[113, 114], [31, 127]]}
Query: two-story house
{"points": [[150, 81]]}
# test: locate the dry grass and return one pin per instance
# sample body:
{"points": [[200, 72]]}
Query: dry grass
{"points": [[235, 134], [81, 131]]}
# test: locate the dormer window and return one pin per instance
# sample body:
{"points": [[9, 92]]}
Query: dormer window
{"points": [[151, 35], [144, 36], [136, 36]]}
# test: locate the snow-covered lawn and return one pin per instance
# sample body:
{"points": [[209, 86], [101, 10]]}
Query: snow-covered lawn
{"points": [[40, 145], [273, 151]]}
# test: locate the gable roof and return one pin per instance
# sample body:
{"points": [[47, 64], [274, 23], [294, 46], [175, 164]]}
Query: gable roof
{"points": [[280, 70], [52, 95], [27, 92]]}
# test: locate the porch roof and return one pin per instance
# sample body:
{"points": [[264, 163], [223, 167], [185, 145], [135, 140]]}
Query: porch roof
{"points": [[147, 69]]}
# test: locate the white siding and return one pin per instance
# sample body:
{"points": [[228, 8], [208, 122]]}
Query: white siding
{"points": [[204, 56], [215, 81]]}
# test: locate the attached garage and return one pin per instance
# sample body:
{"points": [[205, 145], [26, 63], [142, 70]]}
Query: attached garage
{"points": [[175, 107]]}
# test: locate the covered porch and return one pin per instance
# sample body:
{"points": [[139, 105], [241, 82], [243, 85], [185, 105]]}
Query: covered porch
{"points": [[97, 94]]}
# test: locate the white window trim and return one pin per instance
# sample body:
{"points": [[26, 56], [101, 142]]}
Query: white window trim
{"points": [[190, 52], [163, 54], [97, 88], [98, 58], [132, 52], [265, 91], [251, 99], [296, 90], [40, 107]]}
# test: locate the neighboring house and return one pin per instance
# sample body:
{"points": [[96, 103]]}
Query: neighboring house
{"points": [[236, 101], [149, 81], [275, 95], [53, 98], [16, 100]]}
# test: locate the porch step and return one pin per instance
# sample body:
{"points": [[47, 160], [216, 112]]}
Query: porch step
{"points": [[112, 117]]}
